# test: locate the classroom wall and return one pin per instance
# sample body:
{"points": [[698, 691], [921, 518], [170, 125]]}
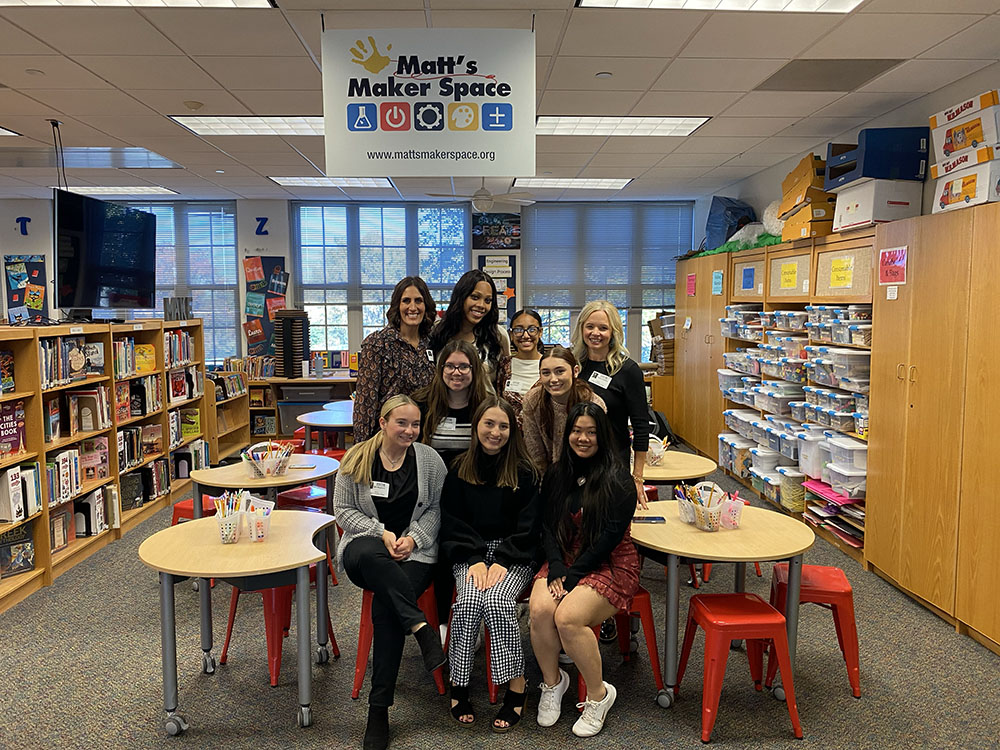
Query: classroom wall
{"points": [[249, 241], [37, 241]]}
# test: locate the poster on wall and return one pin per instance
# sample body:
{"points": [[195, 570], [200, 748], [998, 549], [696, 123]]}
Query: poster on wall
{"points": [[266, 283], [429, 102], [496, 232], [502, 268], [25, 285]]}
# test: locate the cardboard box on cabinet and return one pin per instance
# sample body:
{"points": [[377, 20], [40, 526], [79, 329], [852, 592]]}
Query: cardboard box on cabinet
{"points": [[808, 196], [968, 187], [964, 161], [802, 224], [809, 172], [967, 133], [966, 108], [875, 202]]}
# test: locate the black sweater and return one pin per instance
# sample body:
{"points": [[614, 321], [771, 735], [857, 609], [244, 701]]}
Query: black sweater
{"points": [[625, 398], [612, 531], [472, 515]]}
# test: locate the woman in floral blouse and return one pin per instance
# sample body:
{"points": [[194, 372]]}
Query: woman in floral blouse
{"points": [[396, 359]]}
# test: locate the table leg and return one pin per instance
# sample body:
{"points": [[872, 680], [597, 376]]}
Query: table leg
{"points": [[792, 614], [739, 586], [331, 531], [304, 717], [309, 438], [175, 723], [666, 698], [205, 595], [196, 499], [322, 613]]}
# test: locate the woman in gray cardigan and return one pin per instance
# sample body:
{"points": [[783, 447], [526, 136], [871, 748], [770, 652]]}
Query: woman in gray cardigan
{"points": [[387, 501]]}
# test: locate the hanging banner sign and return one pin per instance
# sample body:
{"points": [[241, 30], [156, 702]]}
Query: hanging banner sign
{"points": [[429, 102]]}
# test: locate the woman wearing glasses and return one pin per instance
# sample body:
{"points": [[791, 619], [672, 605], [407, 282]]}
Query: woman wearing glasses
{"points": [[526, 334]]}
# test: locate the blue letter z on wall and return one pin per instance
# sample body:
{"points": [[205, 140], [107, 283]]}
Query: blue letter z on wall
{"points": [[261, 222], [23, 221]]}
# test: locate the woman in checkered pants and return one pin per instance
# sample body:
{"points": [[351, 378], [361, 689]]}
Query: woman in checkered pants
{"points": [[490, 533]]}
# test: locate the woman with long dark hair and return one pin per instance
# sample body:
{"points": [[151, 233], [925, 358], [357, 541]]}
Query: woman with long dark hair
{"points": [[472, 316], [591, 569], [395, 359], [490, 524]]}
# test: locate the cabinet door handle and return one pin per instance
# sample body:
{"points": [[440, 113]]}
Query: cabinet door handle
{"points": [[706, 338], [912, 377], [900, 371]]}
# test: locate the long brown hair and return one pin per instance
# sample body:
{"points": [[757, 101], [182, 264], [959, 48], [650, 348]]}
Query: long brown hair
{"points": [[579, 392], [430, 309], [357, 462], [513, 455], [434, 395]]}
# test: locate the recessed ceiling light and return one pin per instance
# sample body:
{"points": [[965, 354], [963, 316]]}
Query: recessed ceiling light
{"points": [[220, 171], [603, 74], [123, 191], [146, 3], [4, 131], [348, 182], [679, 126], [786, 6], [250, 125], [576, 183], [32, 71]]}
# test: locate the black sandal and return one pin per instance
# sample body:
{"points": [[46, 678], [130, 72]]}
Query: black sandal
{"points": [[462, 707], [511, 700]]}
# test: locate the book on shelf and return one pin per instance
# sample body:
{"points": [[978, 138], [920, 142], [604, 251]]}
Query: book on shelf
{"points": [[94, 459], [31, 488], [67, 477], [72, 414], [112, 510], [6, 371], [129, 447], [155, 479], [257, 367], [178, 347], [92, 406], [190, 422], [62, 529], [257, 397], [263, 424], [174, 428], [17, 550], [222, 420], [123, 403], [52, 420], [89, 514], [11, 496], [145, 358], [152, 439], [131, 490], [94, 353], [191, 457], [178, 386], [12, 428], [76, 359], [123, 351]]}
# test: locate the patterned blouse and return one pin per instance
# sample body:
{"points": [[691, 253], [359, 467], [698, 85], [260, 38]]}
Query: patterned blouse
{"points": [[387, 366], [544, 450]]}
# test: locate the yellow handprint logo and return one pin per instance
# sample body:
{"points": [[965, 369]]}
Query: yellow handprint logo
{"points": [[371, 60]]}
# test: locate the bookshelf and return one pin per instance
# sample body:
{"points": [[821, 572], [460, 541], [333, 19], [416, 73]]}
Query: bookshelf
{"points": [[228, 415]]}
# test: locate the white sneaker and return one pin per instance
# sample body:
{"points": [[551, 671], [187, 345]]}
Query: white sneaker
{"points": [[550, 704], [443, 630], [565, 658], [591, 721]]}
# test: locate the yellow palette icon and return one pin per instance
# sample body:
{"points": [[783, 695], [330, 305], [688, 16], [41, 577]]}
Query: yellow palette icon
{"points": [[462, 116]]}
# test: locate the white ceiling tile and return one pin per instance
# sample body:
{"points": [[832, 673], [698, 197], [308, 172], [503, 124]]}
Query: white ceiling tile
{"points": [[606, 32], [128, 127], [190, 159], [147, 72], [214, 102], [370, 194], [642, 144], [242, 144], [543, 171], [187, 143], [732, 173], [752, 158], [501, 4], [976, 42], [824, 127], [672, 175], [704, 74], [59, 73], [75, 102], [262, 72], [567, 143], [603, 159], [693, 160], [747, 126], [282, 102], [758, 35], [781, 103], [887, 35], [866, 105], [587, 102], [13, 103], [717, 145], [227, 31], [309, 25], [612, 172], [546, 161], [74, 132], [629, 73], [923, 76], [928, 6], [342, 5], [548, 24], [789, 146], [94, 31], [685, 103], [13, 41]]}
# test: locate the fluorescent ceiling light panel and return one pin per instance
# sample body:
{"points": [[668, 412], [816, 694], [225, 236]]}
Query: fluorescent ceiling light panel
{"points": [[338, 182], [677, 126], [143, 3], [786, 6], [250, 125], [4, 131], [104, 190], [575, 183]]}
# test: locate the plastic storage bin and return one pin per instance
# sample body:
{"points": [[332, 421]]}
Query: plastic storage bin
{"points": [[848, 452], [793, 494], [798, 410], [861, 334], [813, 394], [810, 457], [725, 450], [750, 381], [765, 459], [767, 319], [782, 388], [727, 327], [773, 439], [823, 313], [747, 315], [856, 313], [855, 385], [775, 402], [846, 480], [791, 320], [771, 368], [793, 369], [861, 424], [840, 401], [758, 430], [840, 332], [841, 420], [771, 352], [822, 332], [792, 346], [861, 402], [741, 459], [824, 453], [772, 486], [750, 333], [788, 446], [729, 379]]}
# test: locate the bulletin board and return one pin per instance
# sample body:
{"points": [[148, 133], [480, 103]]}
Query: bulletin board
{"points": [[789, 275], [266, 287], [845, 272], [748, 280], [504, 268], [26, 288], [496, 232]]}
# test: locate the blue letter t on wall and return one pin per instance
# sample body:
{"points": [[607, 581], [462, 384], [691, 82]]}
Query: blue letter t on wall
{"points": [[261, 223]]}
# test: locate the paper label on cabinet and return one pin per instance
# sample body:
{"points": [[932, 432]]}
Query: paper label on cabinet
{"points": [[892, 266], [789, 275], [692, 284], [760, 288], [842, 273], [805, 286], [687, 324], [748, 274], [137, 327], [76, 329], [716, 283], [892, 292]]}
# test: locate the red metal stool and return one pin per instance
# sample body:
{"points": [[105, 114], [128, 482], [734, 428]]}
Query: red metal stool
{"points": [[366, 630], [729, 617], [184, 509], [330, 441], [642, 607], [828, 587]]}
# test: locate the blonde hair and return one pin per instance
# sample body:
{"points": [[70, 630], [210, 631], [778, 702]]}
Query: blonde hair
{"points": [[617, 351], [357, 462]]}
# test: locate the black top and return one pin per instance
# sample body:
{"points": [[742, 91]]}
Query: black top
{"points": [[612, 531], [396, 510], [453, 434], [625, 397], [472, 515]]}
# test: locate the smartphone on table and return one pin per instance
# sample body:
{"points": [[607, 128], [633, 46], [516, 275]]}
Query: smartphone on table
{"points": [[648, 519]]}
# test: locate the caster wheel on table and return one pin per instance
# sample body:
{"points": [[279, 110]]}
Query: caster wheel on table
{"points": [[322, 655], [194, 585], [208, 664], [665, 699], [779, 693], [304, 717], [175, 725]]}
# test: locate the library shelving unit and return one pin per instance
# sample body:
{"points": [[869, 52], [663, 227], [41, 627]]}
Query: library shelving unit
{"points": [[228, 421], [199, 400], [263, 410]]}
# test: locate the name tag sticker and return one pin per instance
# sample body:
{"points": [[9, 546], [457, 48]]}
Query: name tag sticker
{"points": [[380, 489], [448, 424], [507, 386], [430, 355], [600, 379]]}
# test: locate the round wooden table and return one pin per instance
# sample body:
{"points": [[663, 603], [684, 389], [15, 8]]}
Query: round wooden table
{"points": [[343, 409], [763, 535], [194, 550], [678, 466], [328, 420], [303, 469]]}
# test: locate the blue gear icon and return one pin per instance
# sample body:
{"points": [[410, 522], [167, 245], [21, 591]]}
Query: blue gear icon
{"points": [[428, 116]]}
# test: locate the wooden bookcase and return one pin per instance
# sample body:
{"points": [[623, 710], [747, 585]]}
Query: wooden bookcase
{"points": [[228, 423]]}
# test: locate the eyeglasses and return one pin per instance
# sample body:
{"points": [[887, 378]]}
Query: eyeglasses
{"points": [[521, 331], [463, 368]]}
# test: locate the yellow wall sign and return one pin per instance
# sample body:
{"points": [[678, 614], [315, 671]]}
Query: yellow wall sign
{"points": [[789, 275], [842, 273]]}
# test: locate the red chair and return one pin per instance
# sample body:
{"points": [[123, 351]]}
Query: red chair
{"points": [[312, 495], [729, 617], [184, 509], [828, 587], [642, 607], [330, 441], [366, 631]]}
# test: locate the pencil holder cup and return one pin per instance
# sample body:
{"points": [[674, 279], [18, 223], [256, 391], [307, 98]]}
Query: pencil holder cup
{"points": [[685, 509], [265, 467], [708, 519], [258, 527], [709, 492], [732, 512], [229, 527]]}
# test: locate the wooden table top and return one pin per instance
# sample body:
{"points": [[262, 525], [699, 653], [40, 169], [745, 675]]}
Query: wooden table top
{"points": [[195, 549], [237, 476], [677, 465], [343, 409], [328, 417], [762, 535]]}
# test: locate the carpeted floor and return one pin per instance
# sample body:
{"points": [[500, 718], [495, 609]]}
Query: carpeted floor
{"points": [[81, 669]]}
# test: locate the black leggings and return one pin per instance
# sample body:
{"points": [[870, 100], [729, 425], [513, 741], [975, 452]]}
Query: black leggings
{"points": [[396, 587]]}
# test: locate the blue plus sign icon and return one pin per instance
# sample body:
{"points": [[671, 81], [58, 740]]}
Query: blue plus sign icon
{"points": [[362, 117], [497, 116]]}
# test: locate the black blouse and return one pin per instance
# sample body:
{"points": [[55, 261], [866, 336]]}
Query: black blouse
{"points": [[625, 397], [396, 510]]}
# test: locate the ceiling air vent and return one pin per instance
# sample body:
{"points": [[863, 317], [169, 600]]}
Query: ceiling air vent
{"points": [[826, 75]]}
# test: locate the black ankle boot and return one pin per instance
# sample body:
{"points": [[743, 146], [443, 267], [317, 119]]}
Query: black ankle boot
{"points": [[430, 647], [377, 731]]}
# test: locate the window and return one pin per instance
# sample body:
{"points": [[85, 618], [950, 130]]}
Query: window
{"points": [[350, 257], [196, 257], [623, 252]]}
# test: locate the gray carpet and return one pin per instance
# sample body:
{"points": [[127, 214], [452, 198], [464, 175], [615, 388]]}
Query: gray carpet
{"points": [[81, 669]]}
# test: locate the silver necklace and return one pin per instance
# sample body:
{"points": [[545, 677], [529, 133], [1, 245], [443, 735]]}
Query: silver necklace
{"points": [[393, 465]]}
